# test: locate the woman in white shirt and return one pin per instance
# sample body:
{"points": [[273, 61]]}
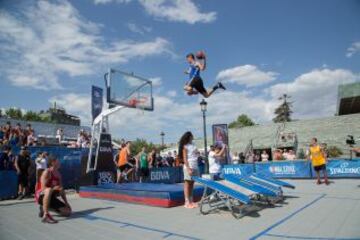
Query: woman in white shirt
{"points": [[188, 155], [41, 164], [216, 155], [264, 156]]}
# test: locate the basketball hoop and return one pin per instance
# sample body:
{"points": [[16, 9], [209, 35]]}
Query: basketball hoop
{"points": [[136, 102]]}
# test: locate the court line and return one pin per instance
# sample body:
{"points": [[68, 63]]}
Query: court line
{"points": [[307, 238], [126, 224], [327, 197], [286, 218]]}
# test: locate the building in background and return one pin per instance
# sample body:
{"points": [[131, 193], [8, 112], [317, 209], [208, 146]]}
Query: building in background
{"points": [[58, 115], [348, 99]]}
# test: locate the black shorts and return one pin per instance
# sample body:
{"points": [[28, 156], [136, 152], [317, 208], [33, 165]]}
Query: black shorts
{"points": [[125, 167], [55, 202], [320, 167], [198, 84], [23, 179], [144, 172]]}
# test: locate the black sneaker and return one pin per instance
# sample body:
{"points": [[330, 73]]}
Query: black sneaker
{"points": [[20, 196], [221, 86], [41, 211]]}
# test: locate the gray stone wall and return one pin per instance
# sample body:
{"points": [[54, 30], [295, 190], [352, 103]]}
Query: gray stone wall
{"points": [[331, 130]]}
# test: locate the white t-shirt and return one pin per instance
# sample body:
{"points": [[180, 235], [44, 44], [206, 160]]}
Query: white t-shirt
{"points": [[264, 157], [42, 164], [192, 156], [290, 156], [214, 165]]}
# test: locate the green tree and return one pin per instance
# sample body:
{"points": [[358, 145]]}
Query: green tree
{"points": [[14, 113], [334, 151], [242, 121], [31, 116], [138, 144], [283, 112], [1, 114]]}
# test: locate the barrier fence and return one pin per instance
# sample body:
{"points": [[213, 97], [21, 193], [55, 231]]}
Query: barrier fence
{"points": [[70, 159], [337, 168]]}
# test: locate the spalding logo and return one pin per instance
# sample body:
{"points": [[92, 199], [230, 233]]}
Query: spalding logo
{"points": [[344, 165]]}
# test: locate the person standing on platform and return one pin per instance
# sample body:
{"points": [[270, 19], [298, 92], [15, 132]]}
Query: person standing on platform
{"points": [[318, 159], [124, 167], [142, 164], [188, 155], [152, 158]]}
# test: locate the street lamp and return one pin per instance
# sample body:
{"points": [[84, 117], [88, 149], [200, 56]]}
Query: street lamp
{"points": [[203, 105], [162, 134]]}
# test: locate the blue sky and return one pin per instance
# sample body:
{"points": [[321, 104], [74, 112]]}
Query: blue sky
{"points": [[260, 49]]}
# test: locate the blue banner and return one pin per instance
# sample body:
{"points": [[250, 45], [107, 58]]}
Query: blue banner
{"points": [[239, 169], [286, 169], [70, 160], [96, 101], [165, 175], [342, 168], [8, 184]]}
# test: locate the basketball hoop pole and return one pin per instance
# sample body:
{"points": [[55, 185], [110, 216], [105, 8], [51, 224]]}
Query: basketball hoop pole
{"points": [[101, 122], [96, 129]]}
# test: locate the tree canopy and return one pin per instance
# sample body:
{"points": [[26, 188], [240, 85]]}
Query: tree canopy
{"points": [[242, 121], [283, 112]]}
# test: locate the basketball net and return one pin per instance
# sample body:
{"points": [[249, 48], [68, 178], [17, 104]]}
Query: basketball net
{"points": [[138, 103]]}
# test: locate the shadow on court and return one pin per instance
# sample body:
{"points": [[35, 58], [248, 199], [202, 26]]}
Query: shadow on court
{"points": [[84, 213]]}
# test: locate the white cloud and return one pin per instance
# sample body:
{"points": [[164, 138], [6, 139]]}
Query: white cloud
{"points": [[175, 117], [177, 11], [353, 49], [44, 40], [315, 93], [109, 1], [173, 10], [171, 93], [156, 81], [138, 29], [77, 104], [248, 75]]}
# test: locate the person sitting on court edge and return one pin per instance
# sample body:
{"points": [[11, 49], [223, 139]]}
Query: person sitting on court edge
{"points": [[48, 192]]}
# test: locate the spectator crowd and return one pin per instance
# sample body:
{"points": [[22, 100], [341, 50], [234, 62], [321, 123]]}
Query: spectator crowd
{"points": [[17, 135]]}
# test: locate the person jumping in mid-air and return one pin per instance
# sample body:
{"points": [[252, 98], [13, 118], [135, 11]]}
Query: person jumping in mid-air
{"points": [[195, 84]]}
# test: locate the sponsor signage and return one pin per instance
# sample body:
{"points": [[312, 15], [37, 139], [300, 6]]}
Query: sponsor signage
{"points": [[240, 169], [342, 168], [105, 161], [105, 177], [286, 169], [96, 101]]}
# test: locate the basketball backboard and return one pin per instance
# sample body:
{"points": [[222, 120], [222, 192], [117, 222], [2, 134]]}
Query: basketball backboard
{"points": [[126, 89]]}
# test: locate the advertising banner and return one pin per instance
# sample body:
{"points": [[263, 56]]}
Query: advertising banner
{"points": [[221, 136], [96, 101], [165, 175], [286, 169], [105, 155], [238, 169], [342, 168]]}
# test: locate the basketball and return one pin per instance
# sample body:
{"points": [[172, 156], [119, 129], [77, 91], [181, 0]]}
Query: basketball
{"points": [[200, 55]]}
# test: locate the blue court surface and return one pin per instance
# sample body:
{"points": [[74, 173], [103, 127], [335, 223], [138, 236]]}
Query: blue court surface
{"points": [[309, 212]]}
